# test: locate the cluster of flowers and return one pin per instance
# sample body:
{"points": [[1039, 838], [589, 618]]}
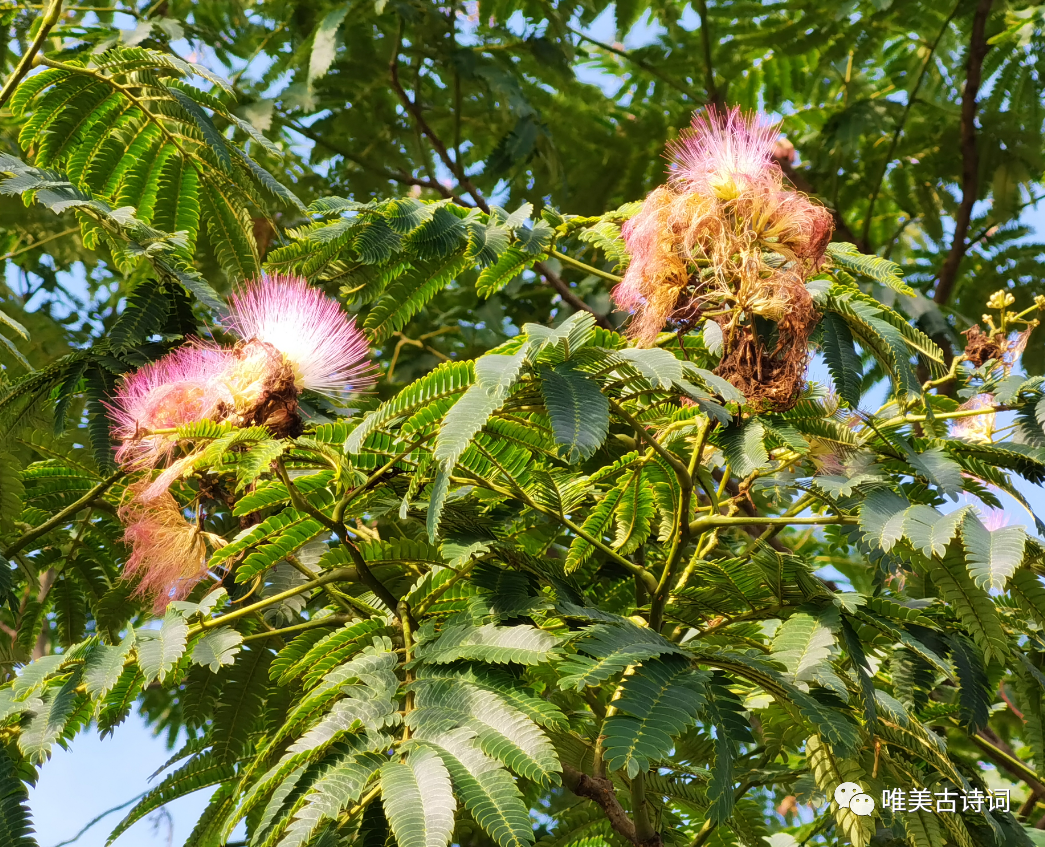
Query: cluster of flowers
{"points": [[1003, 344], [293, 337], [727, 240]]}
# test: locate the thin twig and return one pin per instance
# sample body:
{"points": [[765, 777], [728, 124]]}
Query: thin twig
{"points": [[329, 620], [99, 818], [36, 244], [70, 510], [903, 121], [712, 521], [577, 263], [413, 108], [714, 97], [347, 574], [978, 47], [50, 18], [639, 63]]}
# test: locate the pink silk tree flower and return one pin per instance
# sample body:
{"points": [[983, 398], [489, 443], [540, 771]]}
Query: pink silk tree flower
{"points": [[184, 387], [724, 153], [315, 335], [168, 554]]}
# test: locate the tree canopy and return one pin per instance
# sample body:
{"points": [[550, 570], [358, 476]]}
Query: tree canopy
{"points": [[411, 415]]}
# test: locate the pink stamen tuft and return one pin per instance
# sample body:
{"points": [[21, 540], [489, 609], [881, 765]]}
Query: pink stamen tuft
{"points": [[183, 387], [976, 428], [316, 336], [994, 519], [725, 151], [168, 554]]}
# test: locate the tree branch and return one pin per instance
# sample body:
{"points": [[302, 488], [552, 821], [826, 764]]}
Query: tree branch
{"points": [[978, 47], [50, 18], [413, 108], [577, 263], [70, 510], [600, 791], [715, 98], [346, 574], [639, 63], [711, 521], [911, 97], [1005, 758]]}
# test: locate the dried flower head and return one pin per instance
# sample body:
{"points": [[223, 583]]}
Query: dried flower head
{"points": [[263, 387], [314, 334], [168, 554], [981, 348], [725, 239], [184, 387]]}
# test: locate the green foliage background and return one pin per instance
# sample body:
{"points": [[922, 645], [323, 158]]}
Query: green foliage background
{"points": [[524, 592]]}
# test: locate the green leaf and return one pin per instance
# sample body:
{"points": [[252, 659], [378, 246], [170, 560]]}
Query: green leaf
{"points": [[242, 703], [613, 649], [596, 525], [939, 468], [656, 704], [875, 268], [11, 490], [725, 712], [722, 387], [993, 557], [579, 411], [232, 233], [160, 650], [635, 512], [502, 731], [118, 702], [215, 140], [104, 667], [15, 823], [418, 800], [494, 376], [973, 604], [408, 295], [217, 647], [329, 652], [340, 786], [48, 721], [436, 501], [511, 263], [843, 362], [882, 518], [487, 790], [144, 315], [324, 43], [930, 531], [975, 694], [1027, 590], [660, 368], [522, 644], [446, 380], [743, 448], [830, 771], [803, 645]]}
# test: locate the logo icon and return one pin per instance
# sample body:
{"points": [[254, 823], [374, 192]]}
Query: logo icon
{"points": [[851, 796]]}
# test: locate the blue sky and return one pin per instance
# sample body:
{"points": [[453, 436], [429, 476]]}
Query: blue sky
{"points": [[94, 775]]}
